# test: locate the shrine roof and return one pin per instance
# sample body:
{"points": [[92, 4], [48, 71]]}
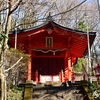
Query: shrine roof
{"points": [[77, 39], [52, 23]]}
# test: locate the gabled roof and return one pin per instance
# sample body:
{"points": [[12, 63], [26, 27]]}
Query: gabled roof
{"points": [[76, 39], [51, 23]]}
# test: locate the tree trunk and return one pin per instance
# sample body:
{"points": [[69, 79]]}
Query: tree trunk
{"points": [[2, 85], [4, 48], [8, 26]]}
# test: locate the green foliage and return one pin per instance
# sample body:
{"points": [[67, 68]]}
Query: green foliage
{"points": [[16, 88], [78, 66], [82, 26], [2, 36], [15, 93], [92, 90], [92, 87]]}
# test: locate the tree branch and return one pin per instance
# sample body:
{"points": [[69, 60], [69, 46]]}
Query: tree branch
{"points": [[70, 9], [4, 9], [13, 65], [16, 6]]}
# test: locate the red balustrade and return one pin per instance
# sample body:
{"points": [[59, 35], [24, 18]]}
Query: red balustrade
{"points": [[34, 76]]}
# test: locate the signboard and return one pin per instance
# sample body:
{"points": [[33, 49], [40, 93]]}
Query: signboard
{"points": [[56, 78], [49, 78]]}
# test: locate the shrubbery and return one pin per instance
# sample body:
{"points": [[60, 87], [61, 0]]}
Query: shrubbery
{"points": [[15, 93], [92, 90]]}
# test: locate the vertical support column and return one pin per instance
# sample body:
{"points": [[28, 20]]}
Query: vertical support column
{"points": [[62, 76], [66, 67], [29, 63], [36, 76], [29, 67], [66, 60], [40, 78], [69, 69]]}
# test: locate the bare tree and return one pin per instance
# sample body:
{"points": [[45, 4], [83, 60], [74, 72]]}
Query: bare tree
{"points": [[11, 7], [28, 13], [36, 12]]}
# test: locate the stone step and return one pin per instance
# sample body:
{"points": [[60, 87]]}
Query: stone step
{"points": [[61, 92]]}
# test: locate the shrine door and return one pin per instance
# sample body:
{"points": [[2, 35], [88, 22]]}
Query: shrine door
{"points": [[48, 66]]}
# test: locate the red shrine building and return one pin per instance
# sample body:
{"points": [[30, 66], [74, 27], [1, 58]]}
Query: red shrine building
{"points": [[53, 49]]}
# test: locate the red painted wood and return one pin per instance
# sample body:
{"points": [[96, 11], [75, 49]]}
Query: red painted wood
{"points": [[48, 66], [67, 43], [53, 66], [60, 64], [29, 67], [69, 69]]}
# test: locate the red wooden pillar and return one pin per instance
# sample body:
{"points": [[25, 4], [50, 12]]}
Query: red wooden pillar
{"points": [[29, 63], [29, 71], [69, 69], [36, 76], [66, 60], [69, 60], [61, 76], [66, 67]]}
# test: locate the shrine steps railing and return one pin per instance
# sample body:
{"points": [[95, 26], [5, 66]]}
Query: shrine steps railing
{"points": [[61, 77]]}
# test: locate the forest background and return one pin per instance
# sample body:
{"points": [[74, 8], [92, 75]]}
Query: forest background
{"points": [[22, 14]]}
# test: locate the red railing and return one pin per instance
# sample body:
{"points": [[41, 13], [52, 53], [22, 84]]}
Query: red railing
{"points": [[61, 76], [65, 77], [35, 76]]}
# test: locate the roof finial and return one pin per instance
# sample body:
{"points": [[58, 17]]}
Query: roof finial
{"points": [[49, 18], [49, 13]]}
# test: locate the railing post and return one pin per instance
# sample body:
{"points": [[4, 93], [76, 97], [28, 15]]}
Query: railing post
{"points": [[36, 76], [61, 76], [73, 76], [66, 75], [40, 78]]}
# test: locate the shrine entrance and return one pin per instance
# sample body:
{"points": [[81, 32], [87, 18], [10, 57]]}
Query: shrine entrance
{"points": [[48, 66]]}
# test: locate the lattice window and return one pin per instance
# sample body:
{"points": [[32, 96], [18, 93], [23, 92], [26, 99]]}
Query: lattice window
{"points": [[49, 41]]}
